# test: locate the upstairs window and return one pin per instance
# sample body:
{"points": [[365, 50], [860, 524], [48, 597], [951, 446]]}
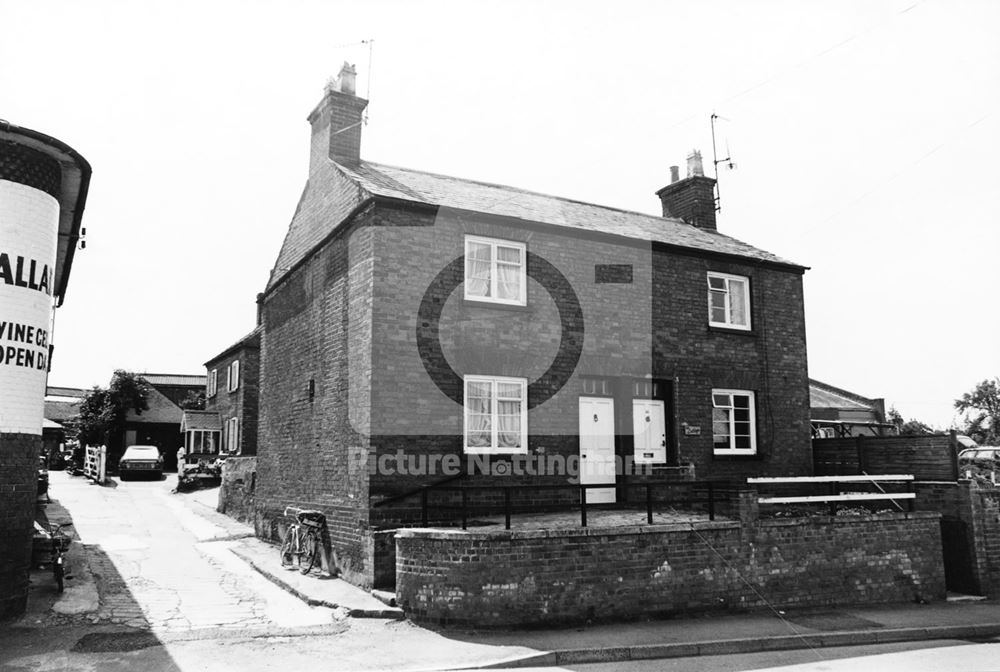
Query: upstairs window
{"points": [[496, 415], [234, 375], [213, 383], [729, 301], [734, 422], [495, 271], [232, 445]]}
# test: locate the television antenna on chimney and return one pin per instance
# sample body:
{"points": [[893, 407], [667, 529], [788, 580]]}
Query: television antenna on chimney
{"points": [[716, 161]]}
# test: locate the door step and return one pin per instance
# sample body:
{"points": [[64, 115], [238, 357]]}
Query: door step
{"points": [[959, 597]]}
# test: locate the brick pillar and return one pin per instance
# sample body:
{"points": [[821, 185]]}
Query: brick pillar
{"points": [[749, 515], [18, 490]]}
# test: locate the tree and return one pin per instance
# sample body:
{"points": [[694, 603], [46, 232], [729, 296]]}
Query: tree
{"points": [[194, 401], [909, 427], [981, 410], [103, 410]]}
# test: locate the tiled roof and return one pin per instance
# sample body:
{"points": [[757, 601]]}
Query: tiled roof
{"points": [[206, 420], [336, 190], [180, 379], [251, 340], [161, 410], [61, 411], [822, 395]]}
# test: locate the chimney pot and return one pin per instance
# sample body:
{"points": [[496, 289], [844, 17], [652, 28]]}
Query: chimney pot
{"points": [[694, 164], [675, 174], [347, 79]]}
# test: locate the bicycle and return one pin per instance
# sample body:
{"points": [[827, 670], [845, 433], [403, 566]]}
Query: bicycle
{"points": [[304, 539], [59, 543]]}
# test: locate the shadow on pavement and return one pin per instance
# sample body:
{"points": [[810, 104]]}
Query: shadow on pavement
{"points": [[95, 616]]}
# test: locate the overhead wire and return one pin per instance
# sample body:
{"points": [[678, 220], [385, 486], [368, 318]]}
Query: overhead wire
{"points": [[803, 63]]}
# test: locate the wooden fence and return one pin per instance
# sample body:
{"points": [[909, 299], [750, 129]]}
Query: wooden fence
{"points": [[929, 458]]}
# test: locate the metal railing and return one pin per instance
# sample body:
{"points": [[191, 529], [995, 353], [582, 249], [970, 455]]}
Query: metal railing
{"points": [[714, 493]]}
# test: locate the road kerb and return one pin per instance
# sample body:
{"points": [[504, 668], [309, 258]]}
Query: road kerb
{"points": [[816, 640]]}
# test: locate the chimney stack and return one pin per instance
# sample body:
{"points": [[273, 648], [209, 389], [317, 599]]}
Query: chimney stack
{"points": [[691, 199], [337, 120]]}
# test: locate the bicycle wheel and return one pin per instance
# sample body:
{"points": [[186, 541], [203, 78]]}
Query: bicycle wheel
{"points": [[57, 570], [290, 546], [310, 551]]}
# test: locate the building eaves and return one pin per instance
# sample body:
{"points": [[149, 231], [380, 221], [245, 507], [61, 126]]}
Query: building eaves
{"points": [[249, 342]]}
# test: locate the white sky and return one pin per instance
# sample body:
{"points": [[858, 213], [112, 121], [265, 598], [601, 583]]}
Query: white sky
{"points": [[865, 136]]}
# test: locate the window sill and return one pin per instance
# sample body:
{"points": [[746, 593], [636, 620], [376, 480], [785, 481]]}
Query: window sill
{"points": [[495, 451], [472, 303], [713, 329], [727, 456]]}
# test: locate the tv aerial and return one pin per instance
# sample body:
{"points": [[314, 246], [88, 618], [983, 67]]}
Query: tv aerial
{"points": [[728, 161]]}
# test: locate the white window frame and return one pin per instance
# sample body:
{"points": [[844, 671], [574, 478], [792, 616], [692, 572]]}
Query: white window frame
{"points": [[192, 434], [732, 449], [522, 299], [494, 447], [233, 376], [729, 278], [213, 383], [233, 436]]}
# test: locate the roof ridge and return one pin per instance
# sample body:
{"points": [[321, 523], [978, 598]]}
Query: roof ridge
{"points": [[851, 396], [508, 187]]}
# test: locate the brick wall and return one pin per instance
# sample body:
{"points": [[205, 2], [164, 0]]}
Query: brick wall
{"points": [[928, 458], [984, 521], [656, 325], [344, 325], [565, 576], [315, 361], [239, 485], [18, 491], [243, 402]]}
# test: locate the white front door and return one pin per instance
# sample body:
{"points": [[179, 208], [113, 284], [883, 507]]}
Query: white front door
{"points": [[649, 431], [597, 447]]}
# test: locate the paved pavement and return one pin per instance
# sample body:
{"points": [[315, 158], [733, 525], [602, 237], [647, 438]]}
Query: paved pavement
{"points": [[158, 565]]}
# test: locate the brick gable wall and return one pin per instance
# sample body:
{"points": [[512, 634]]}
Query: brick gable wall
{"points": [[312, 449]]}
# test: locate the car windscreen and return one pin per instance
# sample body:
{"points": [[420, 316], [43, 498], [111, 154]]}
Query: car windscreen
{"points": [[141, 453]]}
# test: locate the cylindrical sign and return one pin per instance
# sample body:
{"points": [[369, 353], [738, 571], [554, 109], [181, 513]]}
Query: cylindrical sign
{"points": [[29, 221]]}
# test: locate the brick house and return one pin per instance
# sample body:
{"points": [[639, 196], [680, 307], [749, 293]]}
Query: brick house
{"points": [[413, 321], [231, 393]]}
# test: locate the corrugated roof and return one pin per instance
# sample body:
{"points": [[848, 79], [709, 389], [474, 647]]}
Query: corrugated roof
{"points": [[53, 391], [822, 395], [182, 379], [335, 190]]}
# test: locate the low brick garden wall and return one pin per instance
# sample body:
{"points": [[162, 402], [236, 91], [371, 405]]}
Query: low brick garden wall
{"points": [[505, 578], [239, 481]]}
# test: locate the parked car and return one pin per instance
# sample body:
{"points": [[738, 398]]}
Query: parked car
{"points": [[981, 456], [144, 460]]}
